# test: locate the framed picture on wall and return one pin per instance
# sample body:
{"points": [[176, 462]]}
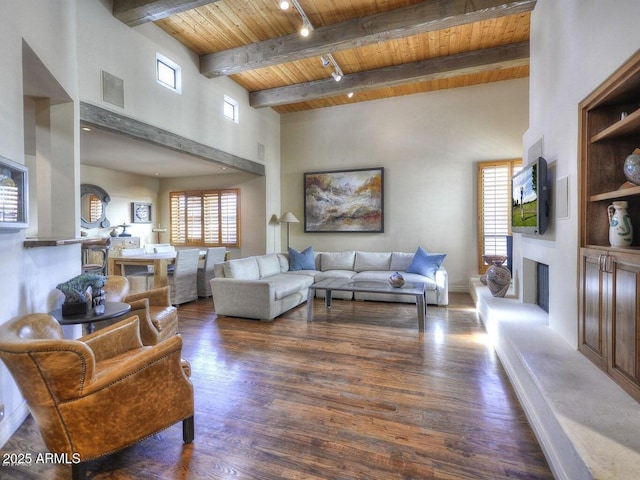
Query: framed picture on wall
{"points": [[344, 201], [141, 212], [14, 195]]}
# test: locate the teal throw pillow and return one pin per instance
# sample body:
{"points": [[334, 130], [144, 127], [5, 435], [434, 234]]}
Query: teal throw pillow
{"points": [[426, 263], [304, 260]]}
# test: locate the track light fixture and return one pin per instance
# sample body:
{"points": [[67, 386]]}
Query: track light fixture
{"points": [[306, 29], [306, 23], [327, 59], [284, 5]]}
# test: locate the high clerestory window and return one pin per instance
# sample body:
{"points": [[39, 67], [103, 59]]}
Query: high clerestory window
{"points": [[205, 218], [231, 108], [168, 73]]}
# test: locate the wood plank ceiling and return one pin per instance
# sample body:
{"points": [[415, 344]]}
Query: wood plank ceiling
{"points": [[384, 48]]}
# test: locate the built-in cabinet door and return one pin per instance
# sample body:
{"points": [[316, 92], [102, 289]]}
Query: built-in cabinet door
{"points": [[623, 321], [593, 307]]}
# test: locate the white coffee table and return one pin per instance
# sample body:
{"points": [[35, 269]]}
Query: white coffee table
{"points": [[416, 289]]}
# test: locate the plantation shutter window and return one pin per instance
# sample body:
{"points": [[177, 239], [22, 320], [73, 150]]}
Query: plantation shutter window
{"points": [[494, 207], [208, 218]]}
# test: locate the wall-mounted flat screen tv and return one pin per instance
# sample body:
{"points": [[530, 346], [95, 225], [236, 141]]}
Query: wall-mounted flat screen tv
{"points": [[530, 199]]}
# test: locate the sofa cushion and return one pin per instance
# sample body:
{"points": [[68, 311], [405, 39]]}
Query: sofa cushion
{"points": [[286, 284], [284, 262], [426, 263], [337, 260], [372, 261], [268, 265], [242, 269], [304, 260], [400, 261]]}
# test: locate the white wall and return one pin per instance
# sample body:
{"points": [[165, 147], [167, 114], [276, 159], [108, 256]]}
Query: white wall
{"points": [[123, 189], [429, 145], [28, 276], [252, 195], [105, 43], [575, 46]]}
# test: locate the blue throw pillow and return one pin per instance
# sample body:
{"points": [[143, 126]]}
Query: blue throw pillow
{"points": [[426, 263], [304, 260]]}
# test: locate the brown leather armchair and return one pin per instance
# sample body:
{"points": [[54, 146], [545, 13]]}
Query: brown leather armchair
{"points": [[158, 318], [100, 393]]}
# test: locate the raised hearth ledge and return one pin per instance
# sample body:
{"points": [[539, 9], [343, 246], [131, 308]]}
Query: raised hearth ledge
{"points": [[588, 427]]}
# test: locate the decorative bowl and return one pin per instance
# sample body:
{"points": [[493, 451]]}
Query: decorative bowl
{"points": [[396, 280]]}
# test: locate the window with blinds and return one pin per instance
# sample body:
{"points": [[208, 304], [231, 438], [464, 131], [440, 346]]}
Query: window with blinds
{"points": [[494, 207], [207, 218]]}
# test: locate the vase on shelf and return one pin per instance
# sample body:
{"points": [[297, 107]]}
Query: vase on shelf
{"points": [[620, 230], [498, 277], [632, 167]]}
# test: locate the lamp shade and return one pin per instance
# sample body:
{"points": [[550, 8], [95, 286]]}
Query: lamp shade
{"points": [[288, 217]]}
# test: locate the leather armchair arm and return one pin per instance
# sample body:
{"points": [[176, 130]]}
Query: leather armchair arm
{"points": [[157, 296], [115, 339]]}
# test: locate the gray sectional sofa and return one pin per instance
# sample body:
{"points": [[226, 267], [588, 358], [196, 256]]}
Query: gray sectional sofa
{"points": [[264, 287]]}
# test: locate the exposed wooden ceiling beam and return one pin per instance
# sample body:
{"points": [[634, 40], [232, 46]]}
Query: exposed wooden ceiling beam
{"points": [[403, 22], [137, 12], [92, 115], [505, 56]]}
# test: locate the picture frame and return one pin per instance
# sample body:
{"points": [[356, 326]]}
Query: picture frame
{"points": [[342, 201], [14, 195], [141, 212]]}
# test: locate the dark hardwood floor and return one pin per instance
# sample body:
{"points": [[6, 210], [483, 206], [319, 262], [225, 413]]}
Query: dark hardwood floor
{"points": [[357, 394]]}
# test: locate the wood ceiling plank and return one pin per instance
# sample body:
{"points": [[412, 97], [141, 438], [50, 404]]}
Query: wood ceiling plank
{"points": [[506, 56], [398, 23], [137, 12]]}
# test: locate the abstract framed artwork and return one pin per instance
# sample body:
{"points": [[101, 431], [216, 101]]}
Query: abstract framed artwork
{"points": [[344, 201]]}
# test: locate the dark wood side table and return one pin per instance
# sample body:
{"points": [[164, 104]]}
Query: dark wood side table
{"points": [[111, 310]]}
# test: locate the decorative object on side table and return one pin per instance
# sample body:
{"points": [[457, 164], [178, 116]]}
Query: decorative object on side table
{"points": [[77, 296], [632, 167], [620, 230], [396, 280], [498, 276]]}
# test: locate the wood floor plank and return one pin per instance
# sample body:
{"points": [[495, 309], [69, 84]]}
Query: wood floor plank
{"points": [[358, 393]]}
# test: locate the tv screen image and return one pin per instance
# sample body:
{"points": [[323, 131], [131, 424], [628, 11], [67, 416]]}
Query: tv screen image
{"points": [[529, 204]]}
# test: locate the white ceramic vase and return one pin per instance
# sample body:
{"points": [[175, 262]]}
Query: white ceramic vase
{"points": [[620, 230]]}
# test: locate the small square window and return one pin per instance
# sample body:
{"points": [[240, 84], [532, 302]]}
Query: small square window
{"points": [[231, 108], [168, 73]]}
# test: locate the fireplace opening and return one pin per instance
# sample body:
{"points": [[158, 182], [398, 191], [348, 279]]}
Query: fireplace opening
{"points": [[542, 286], [536, 283]]}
